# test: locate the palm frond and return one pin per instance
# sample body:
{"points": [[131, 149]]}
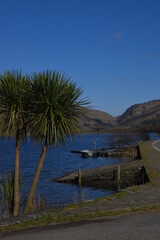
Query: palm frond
{"points": [[13, 88], [54, 104]]}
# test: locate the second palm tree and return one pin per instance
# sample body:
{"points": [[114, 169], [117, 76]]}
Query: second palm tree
{"points": [[54, 104]]}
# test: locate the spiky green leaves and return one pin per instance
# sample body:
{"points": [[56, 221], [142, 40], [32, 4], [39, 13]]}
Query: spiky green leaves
{"points": [[12, 94], [54, 103], [7, 189], [47, 103]]}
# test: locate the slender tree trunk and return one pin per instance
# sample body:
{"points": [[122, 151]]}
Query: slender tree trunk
{"points": [[29, 203], [16, 177]]}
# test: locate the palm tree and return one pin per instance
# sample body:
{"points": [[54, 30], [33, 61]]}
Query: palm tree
{"points": [[12, 118], [54, 104]]}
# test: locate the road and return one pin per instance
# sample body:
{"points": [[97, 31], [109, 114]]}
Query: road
{"points": [[156, 145], [144, 226]]}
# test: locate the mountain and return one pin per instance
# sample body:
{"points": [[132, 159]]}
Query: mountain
{"points": [[95, 121], [141, 115], [138, 117]]}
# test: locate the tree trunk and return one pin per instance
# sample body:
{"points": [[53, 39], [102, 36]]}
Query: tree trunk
{"points": [[29, 203], [16, 178]]}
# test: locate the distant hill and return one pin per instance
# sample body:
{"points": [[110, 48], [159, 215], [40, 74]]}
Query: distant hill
{"points": [[95, 121], [144, 116], [141, 114]]}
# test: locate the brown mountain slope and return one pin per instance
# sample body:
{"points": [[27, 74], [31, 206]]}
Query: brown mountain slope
{"points": [[145, 116], [95, 121], [140, 114]]}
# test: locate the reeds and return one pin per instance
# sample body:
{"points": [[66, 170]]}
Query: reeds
{"points": [[7, 193]]}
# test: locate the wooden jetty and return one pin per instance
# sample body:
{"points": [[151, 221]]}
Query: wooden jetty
{"points": [[131, 152], [91, 153]]}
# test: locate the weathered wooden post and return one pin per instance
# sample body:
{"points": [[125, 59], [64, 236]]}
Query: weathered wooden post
{"points": [[79, 176], [95, 143], [119, 177], [119, 173], [143, 174]]}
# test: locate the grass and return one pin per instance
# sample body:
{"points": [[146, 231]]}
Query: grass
{"points": [[152, 173]]}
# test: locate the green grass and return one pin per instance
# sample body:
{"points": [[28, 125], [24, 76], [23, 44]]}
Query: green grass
{"points": [[153, 174]]}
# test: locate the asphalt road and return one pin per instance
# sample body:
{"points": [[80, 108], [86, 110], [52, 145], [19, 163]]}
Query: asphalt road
{"points": [[156, 145], [144, 226]]}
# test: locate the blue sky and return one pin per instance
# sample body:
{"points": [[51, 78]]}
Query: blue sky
{"points": [[111, 48]]}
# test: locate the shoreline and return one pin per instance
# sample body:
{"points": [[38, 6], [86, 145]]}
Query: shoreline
{"points": [[140, 198]]}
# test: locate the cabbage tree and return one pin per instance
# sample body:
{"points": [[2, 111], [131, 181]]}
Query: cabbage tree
{"points": [[54, 104], [13, 118]]}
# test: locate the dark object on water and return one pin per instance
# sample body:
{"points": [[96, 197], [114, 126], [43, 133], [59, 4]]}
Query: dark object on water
{"points": [[88, 153], [75, 151]]}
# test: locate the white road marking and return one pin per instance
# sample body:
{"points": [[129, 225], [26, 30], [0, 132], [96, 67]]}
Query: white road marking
{"points": [[155, 146]]}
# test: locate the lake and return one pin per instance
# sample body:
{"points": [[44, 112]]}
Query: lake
{"points": [[58, 162]]}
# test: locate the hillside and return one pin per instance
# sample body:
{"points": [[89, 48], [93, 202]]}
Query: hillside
{"points": [[95, 121], [146, 114]]}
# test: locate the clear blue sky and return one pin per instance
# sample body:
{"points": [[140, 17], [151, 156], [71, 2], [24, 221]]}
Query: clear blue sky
{"points": [[111, 48]]}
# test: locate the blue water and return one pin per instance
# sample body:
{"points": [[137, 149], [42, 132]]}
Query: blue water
{"points": [[58, 162]]}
